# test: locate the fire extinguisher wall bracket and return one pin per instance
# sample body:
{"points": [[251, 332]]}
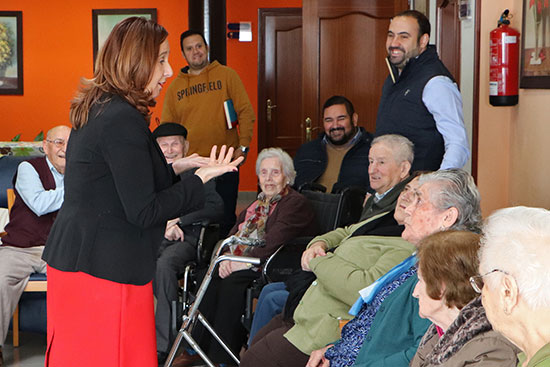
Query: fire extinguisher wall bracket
{"points": [[504, 62]]}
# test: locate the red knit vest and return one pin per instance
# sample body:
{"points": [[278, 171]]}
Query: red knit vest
{"points": [[26, 229]]}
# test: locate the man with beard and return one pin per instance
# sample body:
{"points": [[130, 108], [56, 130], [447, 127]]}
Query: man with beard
{"points": [[420, 99], [339, 157]]}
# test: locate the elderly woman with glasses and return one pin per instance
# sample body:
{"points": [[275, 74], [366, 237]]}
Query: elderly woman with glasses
{"points": [[460, 334], [387, 328], [515, 278]]}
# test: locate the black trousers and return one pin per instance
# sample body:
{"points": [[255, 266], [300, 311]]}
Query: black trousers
{"points": [[227, 187], [223, 305]]}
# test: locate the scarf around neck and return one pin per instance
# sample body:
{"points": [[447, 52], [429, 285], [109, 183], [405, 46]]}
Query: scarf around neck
{"points": [[254, 226]]}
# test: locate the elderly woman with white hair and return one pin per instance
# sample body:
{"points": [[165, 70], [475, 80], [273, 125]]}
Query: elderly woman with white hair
{"points": [[514, 280], [387, 327], [278, 215]]}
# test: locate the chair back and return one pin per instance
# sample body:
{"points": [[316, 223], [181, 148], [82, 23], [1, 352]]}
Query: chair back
{"points": [[335, 210], [10, 194], [331, 211], [8, 168]]}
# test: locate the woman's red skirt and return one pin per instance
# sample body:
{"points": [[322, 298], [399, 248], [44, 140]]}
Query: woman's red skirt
{"points": [[97, 322]]}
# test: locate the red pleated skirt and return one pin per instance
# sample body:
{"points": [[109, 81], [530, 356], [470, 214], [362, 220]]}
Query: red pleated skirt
{"points": [[99, 323]]}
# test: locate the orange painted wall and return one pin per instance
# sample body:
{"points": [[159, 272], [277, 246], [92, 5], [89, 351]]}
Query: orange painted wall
{"points": [[57, 52]]}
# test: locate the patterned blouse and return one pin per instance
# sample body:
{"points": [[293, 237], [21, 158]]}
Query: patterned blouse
{"points": [[345, 351]]}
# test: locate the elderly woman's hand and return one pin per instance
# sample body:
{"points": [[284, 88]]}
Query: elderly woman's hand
{"points": [[219, 165], [227, 267], [317, 358], [315, 250]]}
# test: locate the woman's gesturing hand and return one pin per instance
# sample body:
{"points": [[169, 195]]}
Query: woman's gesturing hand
{"points": [[218, 165]]}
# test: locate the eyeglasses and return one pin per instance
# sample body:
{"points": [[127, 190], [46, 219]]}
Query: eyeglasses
{"points": [[477, 280], [59, 143]]}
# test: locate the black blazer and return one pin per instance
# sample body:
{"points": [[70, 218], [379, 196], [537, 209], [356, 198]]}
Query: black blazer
{"points": [[119, 193]]}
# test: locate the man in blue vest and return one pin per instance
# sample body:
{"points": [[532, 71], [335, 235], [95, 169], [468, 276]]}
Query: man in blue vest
{"points": [[420, 99], [39, 190]]}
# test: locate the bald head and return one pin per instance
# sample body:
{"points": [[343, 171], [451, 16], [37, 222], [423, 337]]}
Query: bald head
{"points": [[390, 160], [55, 144]]}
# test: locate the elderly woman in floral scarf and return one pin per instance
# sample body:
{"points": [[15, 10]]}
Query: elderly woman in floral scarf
{"points": [[278, 215]]}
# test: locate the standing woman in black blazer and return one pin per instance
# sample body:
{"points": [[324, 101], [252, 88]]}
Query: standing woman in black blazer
{"points": [[119, 193]]}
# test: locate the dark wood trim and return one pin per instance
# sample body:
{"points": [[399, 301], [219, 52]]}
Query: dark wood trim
{"points": [[263, 13], [310, 63], [475, 114], [209, 17]]}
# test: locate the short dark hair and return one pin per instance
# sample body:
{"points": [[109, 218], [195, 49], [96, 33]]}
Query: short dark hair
{"points": [[447, 260], [423, 22], [189, 33], [334, 100]]}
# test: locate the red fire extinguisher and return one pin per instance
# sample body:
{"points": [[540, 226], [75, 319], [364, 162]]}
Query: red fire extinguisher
{"points": [[503, 75]]}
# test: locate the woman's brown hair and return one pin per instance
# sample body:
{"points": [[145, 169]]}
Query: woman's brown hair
{"points": [[124, 67], [447, 260]]}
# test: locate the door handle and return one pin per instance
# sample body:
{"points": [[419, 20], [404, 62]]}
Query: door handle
{"points": [[269, 107], [308, 129]]}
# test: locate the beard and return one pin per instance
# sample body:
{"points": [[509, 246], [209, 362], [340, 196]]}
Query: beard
{"points": [[344, 138], [402, 60]]}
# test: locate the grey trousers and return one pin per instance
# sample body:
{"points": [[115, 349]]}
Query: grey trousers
{"points": [[173, 258], [16, 265]]}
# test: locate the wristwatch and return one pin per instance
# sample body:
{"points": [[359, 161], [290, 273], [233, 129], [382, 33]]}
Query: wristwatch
{"points": [[244, 149]]}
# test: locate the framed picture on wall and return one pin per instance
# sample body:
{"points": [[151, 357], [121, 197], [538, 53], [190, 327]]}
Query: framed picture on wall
{"points": [[104, 20], [535, 48], [11, 52]]}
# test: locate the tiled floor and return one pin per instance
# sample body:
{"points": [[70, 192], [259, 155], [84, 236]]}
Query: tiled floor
{"points": [[30, 352], [32, 346]]}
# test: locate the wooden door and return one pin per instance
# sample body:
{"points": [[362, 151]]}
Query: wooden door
{"points": [[448, 36], [279, 78], [344, 53]]}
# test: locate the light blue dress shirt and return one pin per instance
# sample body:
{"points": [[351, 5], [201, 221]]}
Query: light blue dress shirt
{"points": [[32, 192], [443, 100]]}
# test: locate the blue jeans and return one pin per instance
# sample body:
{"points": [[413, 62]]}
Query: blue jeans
{"points": [[271, 303]]}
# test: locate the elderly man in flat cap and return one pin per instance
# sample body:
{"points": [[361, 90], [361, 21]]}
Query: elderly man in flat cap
{"points": [[179, 244]]}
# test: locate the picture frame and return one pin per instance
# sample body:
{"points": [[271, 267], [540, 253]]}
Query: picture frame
{"points": [[104, 20], [11, 52], [535, 45]]}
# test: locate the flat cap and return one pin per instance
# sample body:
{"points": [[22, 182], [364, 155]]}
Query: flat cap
{"points": [[170, 129]]}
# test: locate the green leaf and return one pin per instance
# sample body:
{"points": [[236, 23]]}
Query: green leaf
{"points": [[16, 137], [39, 137]]}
